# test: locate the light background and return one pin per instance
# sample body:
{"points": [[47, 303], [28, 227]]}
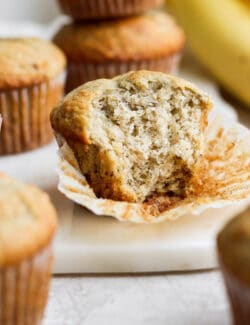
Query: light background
{"points": [[32, 10]]}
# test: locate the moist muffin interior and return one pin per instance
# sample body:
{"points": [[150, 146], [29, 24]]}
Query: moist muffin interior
{"points": [[146, 141]]}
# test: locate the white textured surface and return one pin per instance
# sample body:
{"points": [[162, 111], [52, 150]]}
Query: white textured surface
{"points": [[173, 299], [98, 244]]}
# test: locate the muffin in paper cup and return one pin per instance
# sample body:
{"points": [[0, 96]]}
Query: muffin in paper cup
{"points": [[224, 178], [31, 84], [151, 41], [27, 228], [79, 73], [234, 256], [100, 9]]}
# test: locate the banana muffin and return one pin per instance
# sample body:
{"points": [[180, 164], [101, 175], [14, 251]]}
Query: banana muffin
{"points": [[27, 226], [136, 136], [234, 256], [31, 84], [105, 49], [100, 9]]}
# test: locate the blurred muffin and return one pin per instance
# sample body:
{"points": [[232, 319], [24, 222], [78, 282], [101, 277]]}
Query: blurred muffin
{"points": [[99, 9], [27, 227], [103, 50], [234, 256], [31, 84]]}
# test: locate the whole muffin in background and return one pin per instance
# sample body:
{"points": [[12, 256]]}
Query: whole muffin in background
{"points": [[105, 49], [27, 225], [100, 9], [31, 84], [234, 256]]}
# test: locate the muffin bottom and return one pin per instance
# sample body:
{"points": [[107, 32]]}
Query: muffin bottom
{"points": [[79, 73], [25, 112], [99, 9], [24, 289], [239, 295]]}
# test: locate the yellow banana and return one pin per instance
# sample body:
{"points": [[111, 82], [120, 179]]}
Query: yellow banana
{"points": [[218, 33]]}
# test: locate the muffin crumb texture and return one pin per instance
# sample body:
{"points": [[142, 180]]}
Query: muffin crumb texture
{"points": [[137, 136]]}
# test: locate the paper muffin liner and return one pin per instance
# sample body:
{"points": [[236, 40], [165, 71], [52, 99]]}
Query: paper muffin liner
{"points": [[99, 9], [24, 289], [239, 296], [224, 180], [25, 113], [79, 73]]}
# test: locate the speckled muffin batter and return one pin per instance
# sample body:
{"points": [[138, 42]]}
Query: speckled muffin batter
{"points": [[136, 136]]}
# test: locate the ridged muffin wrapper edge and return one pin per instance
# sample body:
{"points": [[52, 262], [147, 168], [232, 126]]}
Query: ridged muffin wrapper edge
{"points": [[79, 73], [24, 289], [100, 9], [25, 115]]}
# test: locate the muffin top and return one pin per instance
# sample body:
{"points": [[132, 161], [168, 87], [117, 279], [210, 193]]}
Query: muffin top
{"points": [[234, 246], [149, 36], [27, 223], [28, 61]]}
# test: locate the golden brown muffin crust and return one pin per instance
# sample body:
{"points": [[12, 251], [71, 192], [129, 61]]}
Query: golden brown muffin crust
{"points": [[28, 61], [27, 223], [149, 36], [234, 246]]}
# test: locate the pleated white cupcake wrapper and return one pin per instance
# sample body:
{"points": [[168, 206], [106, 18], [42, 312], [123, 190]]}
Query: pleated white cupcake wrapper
{"points": [[226, 177]]}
